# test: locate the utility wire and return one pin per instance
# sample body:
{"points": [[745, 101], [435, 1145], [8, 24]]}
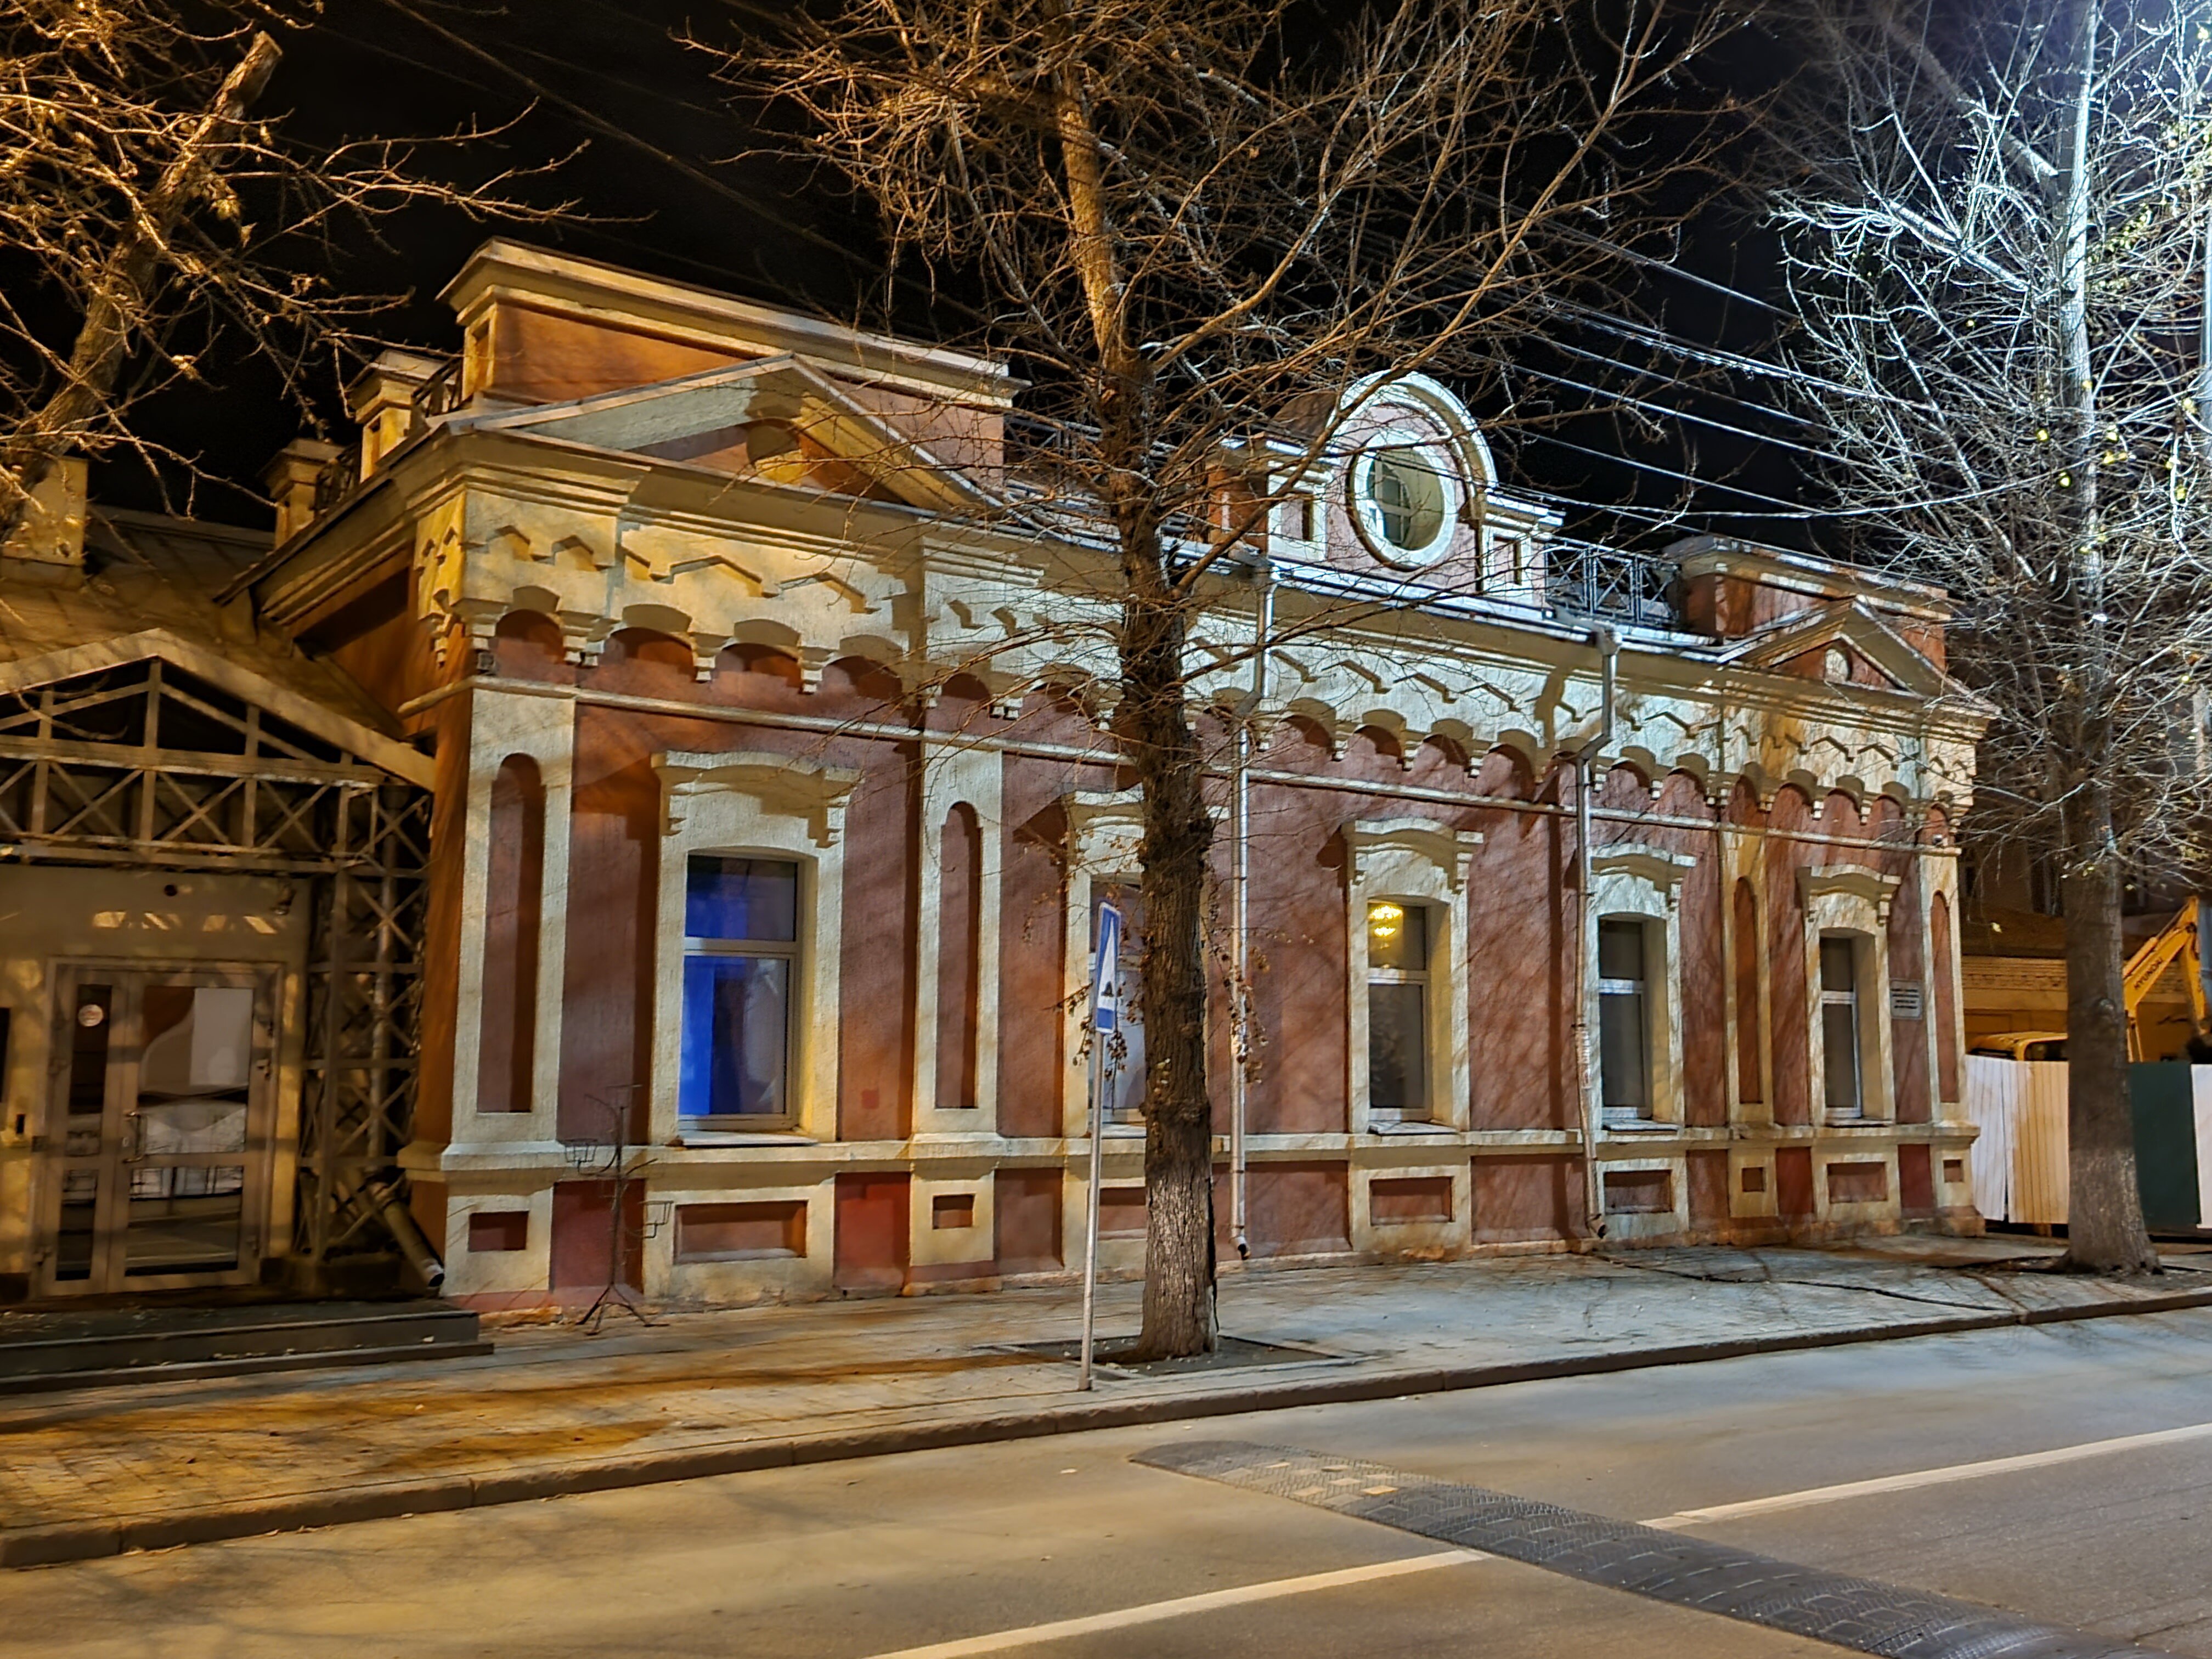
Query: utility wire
{"points": [[1651, 262], [598, 123], [1769, 410], [448, 72], [1662, 409], [1716, 356], [1790, 508]]}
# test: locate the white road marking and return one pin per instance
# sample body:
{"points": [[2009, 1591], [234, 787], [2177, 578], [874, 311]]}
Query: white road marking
{"points": [[1942, 1477], [1183, 1607]]}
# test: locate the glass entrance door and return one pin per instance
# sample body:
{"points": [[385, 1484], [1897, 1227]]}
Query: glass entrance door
{"points": [[163, 1099]]}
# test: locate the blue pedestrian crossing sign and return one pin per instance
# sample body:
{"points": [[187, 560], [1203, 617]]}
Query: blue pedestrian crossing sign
{"points": [[1106, 973]]}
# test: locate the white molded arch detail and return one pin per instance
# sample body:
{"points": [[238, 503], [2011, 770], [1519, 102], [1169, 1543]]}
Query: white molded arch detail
{"points": [[658, 619], [758, 631], [1478, 468]]}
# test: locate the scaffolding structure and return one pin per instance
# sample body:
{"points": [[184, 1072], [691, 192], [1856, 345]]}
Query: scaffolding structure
{"points": [[145, 766]]}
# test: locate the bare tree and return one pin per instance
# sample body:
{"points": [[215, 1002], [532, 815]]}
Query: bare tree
{"points": [[1995, 230], [1209, 235], [150, 213]]}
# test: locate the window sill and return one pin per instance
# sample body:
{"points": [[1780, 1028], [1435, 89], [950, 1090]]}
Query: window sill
{"points": [[1408, 1126], [701, 1134], [1636, 1126]]}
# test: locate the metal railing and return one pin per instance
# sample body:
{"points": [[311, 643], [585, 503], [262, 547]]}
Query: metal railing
{"points": [[439, 395], [1611, 584], [336, 480]]}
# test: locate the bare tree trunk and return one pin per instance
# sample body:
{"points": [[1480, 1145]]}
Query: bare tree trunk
{"points": [[1197, 227], [2104, 1224], [1179, 1259], [1178, 831]]}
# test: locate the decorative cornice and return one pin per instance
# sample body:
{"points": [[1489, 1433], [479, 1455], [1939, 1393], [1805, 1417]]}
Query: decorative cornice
{"points": [[1664, 868], [1848, 880], [1449, 849], [782, 783], [562, 283], [1104, 826], [1800, 573]]}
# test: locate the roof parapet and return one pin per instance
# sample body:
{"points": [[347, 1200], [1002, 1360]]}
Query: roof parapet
{"points": [[697, 324]]}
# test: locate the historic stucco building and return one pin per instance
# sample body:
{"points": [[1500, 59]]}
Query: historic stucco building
{"points": [[773, 785]]}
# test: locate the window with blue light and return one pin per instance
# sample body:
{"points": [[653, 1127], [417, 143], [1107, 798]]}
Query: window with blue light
{"points": [[740, 958]]}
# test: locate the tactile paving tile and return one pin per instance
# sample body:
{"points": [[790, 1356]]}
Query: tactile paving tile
{"points": [[1692, 1572]]}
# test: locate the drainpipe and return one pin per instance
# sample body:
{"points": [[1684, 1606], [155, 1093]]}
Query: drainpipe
{"points": [[1240, 898], [391, 1209], [1608, 646]]}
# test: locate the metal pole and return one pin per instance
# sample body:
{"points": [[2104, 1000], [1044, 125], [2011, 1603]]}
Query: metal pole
{"points": [[1240, 849], [1090, 1229]]}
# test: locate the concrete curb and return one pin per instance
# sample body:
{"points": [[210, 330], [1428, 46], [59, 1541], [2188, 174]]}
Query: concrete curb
{"points": [[81, 1540]]}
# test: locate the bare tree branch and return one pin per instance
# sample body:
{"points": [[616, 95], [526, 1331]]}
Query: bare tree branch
{"points": [[2007, 374], [147, 212], [1210, 235]]}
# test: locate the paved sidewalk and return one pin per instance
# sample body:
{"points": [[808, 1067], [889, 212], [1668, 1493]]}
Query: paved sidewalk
{"points": [[555, 1410]]}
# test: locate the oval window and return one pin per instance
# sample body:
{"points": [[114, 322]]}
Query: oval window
{"points": [[1403, 506]]}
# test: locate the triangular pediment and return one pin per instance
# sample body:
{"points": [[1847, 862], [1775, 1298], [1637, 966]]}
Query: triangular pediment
{"points": [[1844, 643], [315, 725], [777, 418], [1839, 664]]}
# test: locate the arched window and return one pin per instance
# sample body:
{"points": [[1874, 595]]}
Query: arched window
{"points": [[1750, 1085], [959, 922], [1943, 970], [507, 1051]]}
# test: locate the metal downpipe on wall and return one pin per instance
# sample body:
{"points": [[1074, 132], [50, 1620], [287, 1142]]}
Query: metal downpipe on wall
{"points": [[1240, 900], [1608, 646]]}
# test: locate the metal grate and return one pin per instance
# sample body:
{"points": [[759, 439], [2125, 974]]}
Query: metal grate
{"points": [[1611, 584], [364, 1002], [1691, 1573]]}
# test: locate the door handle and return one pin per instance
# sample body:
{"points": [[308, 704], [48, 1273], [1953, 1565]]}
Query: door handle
{"points": [[134, 1138]]}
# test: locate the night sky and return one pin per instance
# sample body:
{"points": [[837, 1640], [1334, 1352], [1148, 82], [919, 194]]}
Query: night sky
{"points": [[670, 179]]}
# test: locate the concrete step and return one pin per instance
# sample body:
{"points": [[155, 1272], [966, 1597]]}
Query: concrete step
{"points": [[43, 1351]]}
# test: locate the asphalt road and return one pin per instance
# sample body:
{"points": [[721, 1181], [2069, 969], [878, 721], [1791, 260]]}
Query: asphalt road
{"points": [[987, 1550]]}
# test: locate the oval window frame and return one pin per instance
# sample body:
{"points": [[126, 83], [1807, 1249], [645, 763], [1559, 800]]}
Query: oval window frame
{"points": [[1366, 513]]}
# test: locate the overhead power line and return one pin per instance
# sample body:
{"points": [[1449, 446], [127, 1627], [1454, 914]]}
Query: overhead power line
{"points": [[597, 123]]}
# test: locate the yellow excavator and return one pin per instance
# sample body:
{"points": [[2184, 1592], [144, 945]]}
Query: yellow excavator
{"points": [[2178, 941]]}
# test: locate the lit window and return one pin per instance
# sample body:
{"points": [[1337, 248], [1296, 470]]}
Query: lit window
{"points": [[1397, 1010], [740, 949], [1839, 1025], [1623, 1030]]}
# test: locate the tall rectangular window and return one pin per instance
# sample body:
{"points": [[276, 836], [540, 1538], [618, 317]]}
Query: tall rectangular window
{"points": [[1397, 1010], [1624, 1024], [740, 955], [1839, 1023]]}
